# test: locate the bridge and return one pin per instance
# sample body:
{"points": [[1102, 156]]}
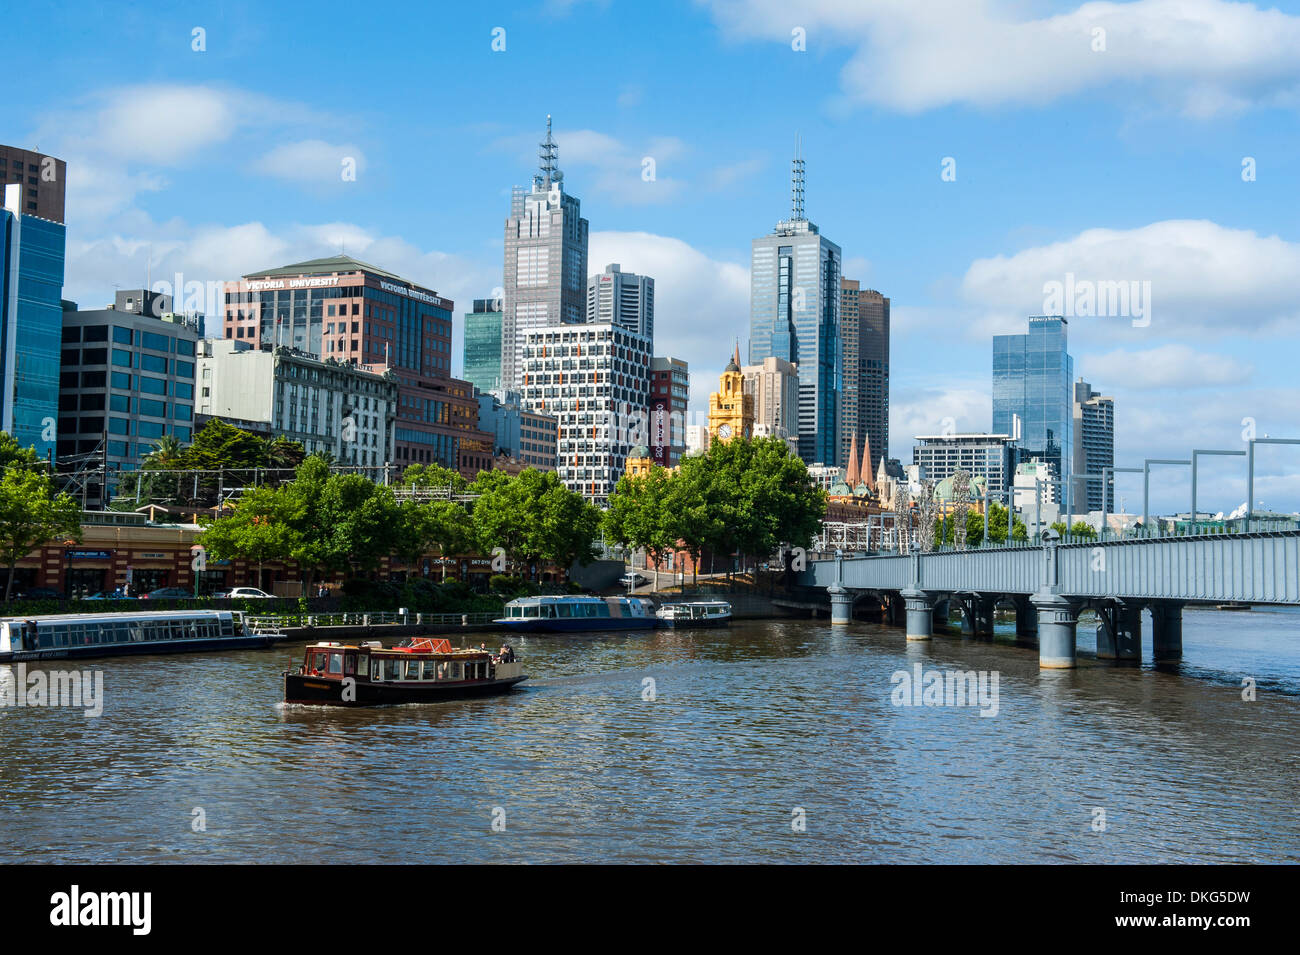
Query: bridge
{"points": [[1049, 585]]}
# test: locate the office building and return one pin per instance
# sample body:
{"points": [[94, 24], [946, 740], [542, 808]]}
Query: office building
{"points": [[327, 405], [126, 380], [41, 180], [545, 261], [31, 308], [342, 309], [595, 380], [670, 393], [795, 316], [623, 298], [1032, 396], [988, 456], [864, 380], [482, 345], [1094, 447], [774, 385], [520, 437], [697, 438]]}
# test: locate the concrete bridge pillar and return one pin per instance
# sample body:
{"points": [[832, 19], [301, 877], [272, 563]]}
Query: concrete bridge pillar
{"points": [[841, 604], [920, 614], [1057, 620], [1119, 636], [1167, 631], [976, 616], [1026, 620]]}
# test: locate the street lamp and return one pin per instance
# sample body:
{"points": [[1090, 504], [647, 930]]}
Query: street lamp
{"points": [[1235, 454], [1250, 468], [1146, 484]]}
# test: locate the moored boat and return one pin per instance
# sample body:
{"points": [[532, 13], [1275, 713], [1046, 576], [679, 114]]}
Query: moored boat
{"points": [[419, 670], [574, 612], [694, 613], [81, 635]]}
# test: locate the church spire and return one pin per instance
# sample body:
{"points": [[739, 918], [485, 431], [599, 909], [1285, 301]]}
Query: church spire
{"points": [[853, 477], [866, 462]]}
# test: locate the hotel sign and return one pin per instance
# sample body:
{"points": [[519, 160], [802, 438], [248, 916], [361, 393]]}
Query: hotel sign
{"points": [[88, 554]]}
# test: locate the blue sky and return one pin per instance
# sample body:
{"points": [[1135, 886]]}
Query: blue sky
{"points": [[1123, 163]]}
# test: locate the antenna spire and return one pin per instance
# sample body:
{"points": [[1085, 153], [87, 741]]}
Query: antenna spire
{"points": [[796, 182], [547, 153]]}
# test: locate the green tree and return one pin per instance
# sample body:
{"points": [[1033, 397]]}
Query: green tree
{"points": [[534, 518], [434, 475], [31, 514], [12, 454], [261, 528], [641, 515]]}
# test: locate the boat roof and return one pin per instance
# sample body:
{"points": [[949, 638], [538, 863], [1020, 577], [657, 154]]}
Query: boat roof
{"points": [[565, 598], [403, 652], [115, 617], [697, 603]]}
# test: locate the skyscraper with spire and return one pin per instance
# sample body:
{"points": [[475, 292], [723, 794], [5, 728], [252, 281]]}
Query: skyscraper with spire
{"points": [[545, 261], [794, 304]]}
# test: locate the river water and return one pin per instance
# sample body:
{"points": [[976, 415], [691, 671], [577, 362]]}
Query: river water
{"points": [[773, 741]]}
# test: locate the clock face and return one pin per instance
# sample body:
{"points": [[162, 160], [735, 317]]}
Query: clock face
{"points": [[724, 431]]}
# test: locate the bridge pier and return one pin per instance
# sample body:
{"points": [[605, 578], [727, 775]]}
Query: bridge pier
{"points": [[920, 614], [1058, 619], [1026, 620], [841, 604], [1119, 637], [1167, 631], [976, 615], [895, 610]]}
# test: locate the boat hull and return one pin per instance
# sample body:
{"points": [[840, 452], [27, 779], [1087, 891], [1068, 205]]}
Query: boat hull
{"points": [[703, 623], [313, 691], [255, 642], [574, 624]]}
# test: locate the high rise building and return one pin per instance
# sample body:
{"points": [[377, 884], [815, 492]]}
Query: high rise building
{"points": [[624, 298], [31, 305], [864, 378], [990, 456], [795, 316], [545, 262], [670, 393], [126, 380], [482, 345], [595, 379], [521, 438], [1032, 396], [1094, 447], [775, 386], [347, 310], [41, 180]]}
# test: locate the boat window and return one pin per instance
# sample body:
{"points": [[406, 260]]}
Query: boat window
{"points": [[602, 609], [392, 669], [565, 610], [412, 669], [530, 611], [363, 663], [457, 671], [550, 610], [376, 669], [349, 664]]}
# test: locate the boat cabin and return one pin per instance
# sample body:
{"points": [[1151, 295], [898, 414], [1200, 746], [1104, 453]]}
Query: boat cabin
{"points": [[422, 660]]}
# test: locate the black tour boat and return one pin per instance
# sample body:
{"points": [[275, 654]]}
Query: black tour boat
{"points": [[419, 670]]}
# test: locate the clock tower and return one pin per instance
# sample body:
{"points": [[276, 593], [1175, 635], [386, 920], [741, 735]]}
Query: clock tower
{"points": [[731, 411]]}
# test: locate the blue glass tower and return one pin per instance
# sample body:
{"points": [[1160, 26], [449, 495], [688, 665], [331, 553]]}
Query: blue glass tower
{"points": [[31, 322], [1032, 382], [794, 314]]}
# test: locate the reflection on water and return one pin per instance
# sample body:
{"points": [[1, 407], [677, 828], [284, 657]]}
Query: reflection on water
{"points": [[747, 724]]}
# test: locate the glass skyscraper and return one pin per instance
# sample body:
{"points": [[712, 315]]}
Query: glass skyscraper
{"points": [[1033, 396], [31, 314], [794, 304], [482, 345]]}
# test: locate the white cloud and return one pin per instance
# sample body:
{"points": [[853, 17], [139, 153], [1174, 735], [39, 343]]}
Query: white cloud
{"points": [[922, 409], [1204, 278], [700, 302], [311, 161], [1202, 56], [1178, 367]]}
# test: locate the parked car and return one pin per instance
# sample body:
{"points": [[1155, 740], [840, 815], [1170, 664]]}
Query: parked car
{"points": [[633, 580], [106, 595], [248, 592], [167, 593], [42, 593]]}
